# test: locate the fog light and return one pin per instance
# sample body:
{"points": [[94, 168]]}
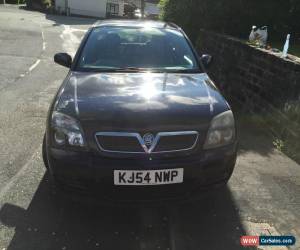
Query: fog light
{"points": [[75, 139], [59, 138]]}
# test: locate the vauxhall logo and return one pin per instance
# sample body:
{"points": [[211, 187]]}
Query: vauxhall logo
{"points": [[148, 139]]}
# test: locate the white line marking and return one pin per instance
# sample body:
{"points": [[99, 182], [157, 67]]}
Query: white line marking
{"points": [[70, 40], [16, 177], [79, 30], [34, 65], [43, 37]]}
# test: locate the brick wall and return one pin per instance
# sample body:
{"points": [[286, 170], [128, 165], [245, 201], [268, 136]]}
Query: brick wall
{"points": [[256, 81]]}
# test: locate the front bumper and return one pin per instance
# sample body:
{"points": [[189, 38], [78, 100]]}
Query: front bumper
{"points": [[92, 173]]}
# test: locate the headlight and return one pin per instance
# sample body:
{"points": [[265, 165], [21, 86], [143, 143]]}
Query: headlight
{"points": [[66, 130], [221, 131]]}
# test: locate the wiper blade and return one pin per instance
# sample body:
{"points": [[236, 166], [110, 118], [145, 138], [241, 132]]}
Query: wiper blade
{"points": [[137, 69], [184, 70], [111, 69], [128, 69]]}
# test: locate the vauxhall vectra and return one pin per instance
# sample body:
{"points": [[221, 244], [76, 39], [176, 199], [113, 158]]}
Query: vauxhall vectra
{"points": [[137, 114]]}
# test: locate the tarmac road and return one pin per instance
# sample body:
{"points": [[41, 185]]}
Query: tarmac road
{"points": [[262, 197]]}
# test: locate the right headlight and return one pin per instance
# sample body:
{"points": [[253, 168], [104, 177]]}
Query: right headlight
{"points": [[221, 131], [67, 130]]}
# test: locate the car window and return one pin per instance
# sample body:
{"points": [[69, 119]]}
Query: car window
{"points": [[135, 47]]}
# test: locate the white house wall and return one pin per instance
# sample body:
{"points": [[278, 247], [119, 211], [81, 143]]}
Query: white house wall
{"points": [[88, 7], [95, 8], [60, 5]]}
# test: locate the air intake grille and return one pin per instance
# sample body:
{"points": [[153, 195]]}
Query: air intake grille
{"points": [[122, 142]]}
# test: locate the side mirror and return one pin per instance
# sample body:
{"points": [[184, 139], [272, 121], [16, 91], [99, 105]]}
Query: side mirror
{"points": [[63, 59], [206, 60]]}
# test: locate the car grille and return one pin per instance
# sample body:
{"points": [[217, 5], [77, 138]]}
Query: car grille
{"points": [[119, 143], [122, 142]]}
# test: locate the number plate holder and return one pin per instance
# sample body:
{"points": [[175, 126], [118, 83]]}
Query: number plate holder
{"points": [[148, 177]]}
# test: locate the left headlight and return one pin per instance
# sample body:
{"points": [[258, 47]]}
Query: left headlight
{"points": [[67, 130], [221, 131]]}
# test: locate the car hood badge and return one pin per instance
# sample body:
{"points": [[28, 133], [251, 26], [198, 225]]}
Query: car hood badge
{"points": [[148, 139]]}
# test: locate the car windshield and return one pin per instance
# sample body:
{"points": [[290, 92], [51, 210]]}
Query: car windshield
{"points": [[136, 48]]}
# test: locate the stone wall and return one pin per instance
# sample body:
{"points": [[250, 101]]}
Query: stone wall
{"points": [[256, 81]]}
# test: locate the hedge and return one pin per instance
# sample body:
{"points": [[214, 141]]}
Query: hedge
{"points": [[234, 17], [39, 4]]}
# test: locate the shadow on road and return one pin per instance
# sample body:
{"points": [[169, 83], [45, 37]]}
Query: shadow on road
{"points": [[254, 139], [210, 222], [70, 20], [62, 19]]}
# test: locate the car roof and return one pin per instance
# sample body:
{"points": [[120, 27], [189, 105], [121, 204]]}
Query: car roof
{"points": [[136, 23]]}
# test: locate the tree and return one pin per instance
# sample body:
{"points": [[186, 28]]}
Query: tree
{"points": [[234, 17]]}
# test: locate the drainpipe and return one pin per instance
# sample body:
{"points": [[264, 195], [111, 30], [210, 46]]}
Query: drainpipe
{"points": [[67, 9], [143, 8]]}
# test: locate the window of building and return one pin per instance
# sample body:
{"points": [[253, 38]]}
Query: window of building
{"points": [[112, 9]]}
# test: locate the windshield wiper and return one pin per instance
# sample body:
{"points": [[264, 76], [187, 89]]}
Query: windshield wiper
{"points": [[112, 69], [183, 71], [128, 69], [137, 69]]}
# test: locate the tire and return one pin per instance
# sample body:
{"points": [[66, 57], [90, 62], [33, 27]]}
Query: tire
{"points": [[44, 153], [54, 186]]}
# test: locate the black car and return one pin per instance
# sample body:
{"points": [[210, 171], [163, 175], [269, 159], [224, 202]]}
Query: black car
{"points": [[137, 113]]}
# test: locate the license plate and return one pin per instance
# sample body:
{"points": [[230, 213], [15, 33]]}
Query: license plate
{"points": [[148, 177]]}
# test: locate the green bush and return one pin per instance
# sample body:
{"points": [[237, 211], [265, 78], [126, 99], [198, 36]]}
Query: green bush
{"points": [[46, 3], [43, 4], [234, 17], [15, 1]]}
